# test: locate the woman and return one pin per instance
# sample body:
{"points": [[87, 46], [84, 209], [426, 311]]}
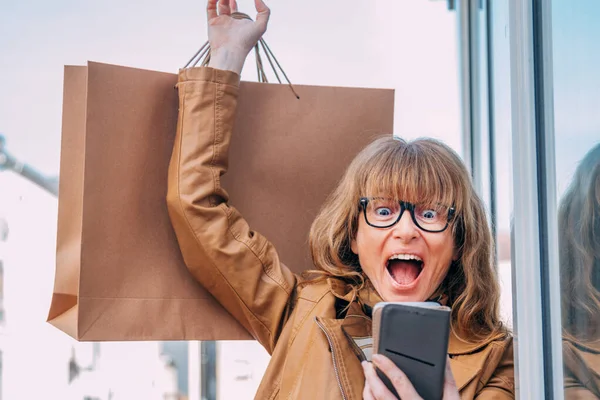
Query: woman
{"points": [[364, 251], [579, 234]]}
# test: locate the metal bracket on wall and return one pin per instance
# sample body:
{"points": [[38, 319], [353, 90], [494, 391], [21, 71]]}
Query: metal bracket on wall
{"points": [[9, 162]]}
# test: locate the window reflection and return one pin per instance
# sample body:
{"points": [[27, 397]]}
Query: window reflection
{"points": [[576, 51], [579, 237]]}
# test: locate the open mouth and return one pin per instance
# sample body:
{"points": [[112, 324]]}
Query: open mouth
{"points": [[404, 268]]}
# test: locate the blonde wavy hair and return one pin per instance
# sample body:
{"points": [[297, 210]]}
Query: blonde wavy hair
{"points": [[421, 171], [579, 248]]}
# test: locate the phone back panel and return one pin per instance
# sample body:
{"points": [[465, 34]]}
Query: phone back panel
{"points": [[416, 340]]}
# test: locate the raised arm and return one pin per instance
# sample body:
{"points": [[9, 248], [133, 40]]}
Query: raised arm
{"points": [[238, 266]]}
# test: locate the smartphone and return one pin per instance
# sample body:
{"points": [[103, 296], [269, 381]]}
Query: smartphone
{"points": [[415, 337]]}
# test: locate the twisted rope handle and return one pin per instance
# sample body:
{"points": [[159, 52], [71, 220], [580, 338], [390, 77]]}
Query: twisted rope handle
{"points": [[202, 56]]}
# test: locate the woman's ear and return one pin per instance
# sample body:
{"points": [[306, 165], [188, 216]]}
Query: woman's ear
{"points": [[455, 255]]}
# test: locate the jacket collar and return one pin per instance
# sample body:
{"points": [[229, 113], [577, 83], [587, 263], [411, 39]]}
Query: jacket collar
{"points": [[340, 289], [590, 346], [367, 297], [457, 346]]}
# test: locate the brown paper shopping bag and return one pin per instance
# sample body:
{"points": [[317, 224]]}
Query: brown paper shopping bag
{"points": [[119, 272]]}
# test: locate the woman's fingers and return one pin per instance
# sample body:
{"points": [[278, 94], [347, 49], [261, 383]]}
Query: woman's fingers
{"points": [[215, 8], [263, 13], [224, 8], [211, 9], [377, 389], [399, 380], [367, 394]]}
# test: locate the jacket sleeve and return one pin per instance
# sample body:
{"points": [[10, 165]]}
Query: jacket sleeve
{"points": [[501, 384], [239, 267]]}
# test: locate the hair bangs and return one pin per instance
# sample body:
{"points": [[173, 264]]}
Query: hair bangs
{"points": [[411, 172]]}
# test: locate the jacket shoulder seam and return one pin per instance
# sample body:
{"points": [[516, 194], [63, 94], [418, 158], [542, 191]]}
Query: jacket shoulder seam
{"points": [[310, 296]]}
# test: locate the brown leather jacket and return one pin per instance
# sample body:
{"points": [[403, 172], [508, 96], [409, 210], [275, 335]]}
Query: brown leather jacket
{"points": [[581, 369], [313, 354]]}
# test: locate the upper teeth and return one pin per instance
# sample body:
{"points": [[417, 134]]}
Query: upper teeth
{"points": [[405, 257]]}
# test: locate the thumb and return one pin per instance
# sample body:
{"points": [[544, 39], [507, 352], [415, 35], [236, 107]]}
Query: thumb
{"points": [[262, 18]]}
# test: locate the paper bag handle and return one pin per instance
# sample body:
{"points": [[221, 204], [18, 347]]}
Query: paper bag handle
{"points": [[203, 56]]}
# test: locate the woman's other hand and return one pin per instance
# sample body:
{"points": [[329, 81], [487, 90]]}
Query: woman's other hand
{"points": [[232, 39], [375, 389]]}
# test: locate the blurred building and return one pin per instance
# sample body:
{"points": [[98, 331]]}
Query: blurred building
{"points": [[29, 347]]}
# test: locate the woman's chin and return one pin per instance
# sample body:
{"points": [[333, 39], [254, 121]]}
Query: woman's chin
{"points": [[405, 298]]}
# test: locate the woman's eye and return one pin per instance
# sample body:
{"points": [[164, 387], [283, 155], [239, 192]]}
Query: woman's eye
{"points": [[429, 214], [383, 212]]}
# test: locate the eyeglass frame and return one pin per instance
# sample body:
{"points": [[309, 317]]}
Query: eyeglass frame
{"points": [[405, 205]]}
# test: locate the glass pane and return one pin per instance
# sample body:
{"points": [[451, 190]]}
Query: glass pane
{"points": [[500, 59], [410, 46], [576, 48]]}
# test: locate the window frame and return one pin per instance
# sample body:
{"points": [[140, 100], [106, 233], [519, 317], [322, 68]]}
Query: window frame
{"points": [[536, 300]]}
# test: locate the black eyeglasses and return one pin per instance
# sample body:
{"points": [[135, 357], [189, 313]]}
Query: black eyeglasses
{"points": [[383, 213]]}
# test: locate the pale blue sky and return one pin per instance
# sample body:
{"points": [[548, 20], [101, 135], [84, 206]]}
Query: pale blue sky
{"points": [[576, 38], [409, 45]]}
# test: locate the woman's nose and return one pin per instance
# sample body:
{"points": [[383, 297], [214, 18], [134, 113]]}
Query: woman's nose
{"points": [[405, 229]]}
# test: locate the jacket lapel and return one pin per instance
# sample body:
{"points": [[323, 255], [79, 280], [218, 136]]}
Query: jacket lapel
{"points": [[343, 334], [463, 372], [344, 357], [478, 353]]}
